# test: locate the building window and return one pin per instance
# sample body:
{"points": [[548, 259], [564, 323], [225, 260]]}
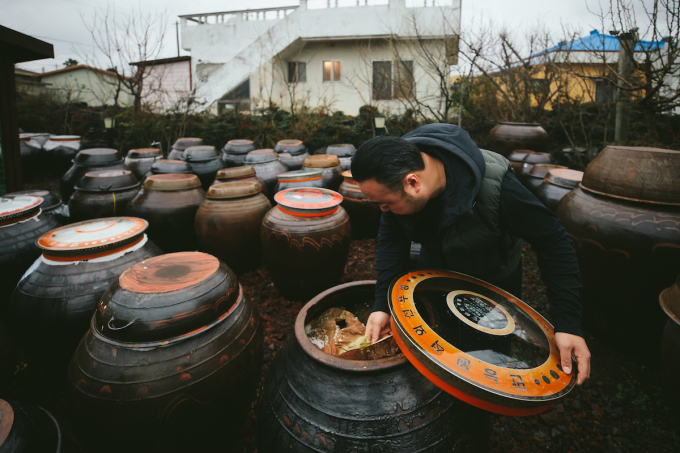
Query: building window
{"points": [[604, 91], [297, 71], [405, 82], [382, 80], [331, 71]]}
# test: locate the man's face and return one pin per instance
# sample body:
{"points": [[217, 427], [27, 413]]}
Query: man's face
{"points": [[399, 202]]}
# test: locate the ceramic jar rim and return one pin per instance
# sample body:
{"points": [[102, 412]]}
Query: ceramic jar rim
{"points": [[235, 172], [232, 189], [321, 161], [172, 181]]}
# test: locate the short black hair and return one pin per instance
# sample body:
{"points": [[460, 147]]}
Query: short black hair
{"points": [[387, 160]]}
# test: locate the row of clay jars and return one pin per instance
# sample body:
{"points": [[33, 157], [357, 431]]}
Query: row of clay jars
{"points": [[205, 163], [104, 193], [86, 161], [139, 161], [331, 170], [292, 153], [267, 167], [245, 173]]}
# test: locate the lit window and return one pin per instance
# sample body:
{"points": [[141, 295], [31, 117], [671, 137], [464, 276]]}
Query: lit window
{"points": [[331, 71]]}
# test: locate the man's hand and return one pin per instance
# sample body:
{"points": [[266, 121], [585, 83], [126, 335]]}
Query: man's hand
{"points": [[573, 345], [378, 325]]}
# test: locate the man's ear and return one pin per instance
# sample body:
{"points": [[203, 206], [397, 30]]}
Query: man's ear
{"points": [[412, 183]]}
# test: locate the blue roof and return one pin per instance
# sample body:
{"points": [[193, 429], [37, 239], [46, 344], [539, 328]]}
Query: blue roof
{"points": [[599, 42]]}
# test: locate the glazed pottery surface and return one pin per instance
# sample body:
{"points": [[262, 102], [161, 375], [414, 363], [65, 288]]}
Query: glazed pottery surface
{"points": [[104, 193], [299, 178], [25, 428], [292, 153], [181, 144], [331, 170], [556, 184], [139, 161], [234, 152], [505, 137], [205, 162], [267, 167], [86, 161]]}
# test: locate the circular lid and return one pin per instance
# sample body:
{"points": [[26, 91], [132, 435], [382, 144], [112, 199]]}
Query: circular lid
{"points": [[96, 157], [16, 208], [538, 158], [171, 181], [92, 238], [306, 202], [235, 172], [167, 296], [635, 173], [201, 153], [233, 189], [348, 177], [344, 150], [50, 200], [107, 181], [185, 142], [519, 155], [291, 146], [300, 175], [143, 153], [321, 161], [261, 156], [6, 420], [540, 170], [165, 166], [670, 301], [239, 146], [564, 177], [477, 342]]}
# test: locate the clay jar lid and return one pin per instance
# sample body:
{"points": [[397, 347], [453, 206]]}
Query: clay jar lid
{"points": [[348, 177], [634, 173], [569, 179], [201, 153], [165, 166], [261, 156], [670, 301], [185, 142], [67, 138], [477, 342], [170, 182], [519, 155], [50, 200], [321, 161], [239, 146], [538, 158], [144, 153], [290, 146], [226, 174], [300, 175], [307, 202], [540, 170], [343, 150], [167, 296], [17, 208], [233, 189], [92, 238], [97, 157], [107, 181]]}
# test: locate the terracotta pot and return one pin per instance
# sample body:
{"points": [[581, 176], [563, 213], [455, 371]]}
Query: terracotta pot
{"points": [[25, 428], [313, 401], [331, 170], [506, 137], [534, 178], [669, 300], [344, 152], [104, 193], [228, 223], [59, 152], [86, 161], [205, 162], [292, 153], [171, 360], [364, 215], [169, 203], [234, 152], [245, 173], [169, 166], [181, 144], [139, 161], [267, 167], [530, 160], [299, 178], [556, 184], [305, 242], [517, 158]]}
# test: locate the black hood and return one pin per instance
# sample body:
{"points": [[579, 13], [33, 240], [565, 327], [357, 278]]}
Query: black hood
{"points": [[463, 163]]}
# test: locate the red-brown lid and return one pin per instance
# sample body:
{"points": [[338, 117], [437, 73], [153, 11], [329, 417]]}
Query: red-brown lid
{"points": [[171, 181], [321, 161], [307, 202], [232, 189], [244, 171], [564, 177], [348, 177], [477, 342], [17, 208]]}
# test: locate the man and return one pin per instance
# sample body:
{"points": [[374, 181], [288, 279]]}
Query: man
{"points": [[470, 213]]}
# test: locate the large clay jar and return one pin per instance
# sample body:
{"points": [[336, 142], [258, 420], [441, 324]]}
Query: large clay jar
{"points": [[556, 184], [517, 158], [234, 152], [171, 360], [245, 173], [25, 428], [60, 151], [139, 161], [670, 341], [331, 170], [86, 161], [104, 193], [364, 215], [169, 203], [292, 153], [181, 144], [228, 224], [506, 137], [305, 242], [51, 307], [534, 178], [299, 178], [313, 401], [345, 153], [267, 167], [528, 163], [169, 166], [205, 162], [21, 223], [51, 204], [624, 223]]}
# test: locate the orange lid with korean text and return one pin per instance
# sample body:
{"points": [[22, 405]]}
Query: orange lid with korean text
{"points": [[477, 342]]}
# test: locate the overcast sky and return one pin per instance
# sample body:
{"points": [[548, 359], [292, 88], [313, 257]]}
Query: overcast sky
{"points": [[59, 21]]}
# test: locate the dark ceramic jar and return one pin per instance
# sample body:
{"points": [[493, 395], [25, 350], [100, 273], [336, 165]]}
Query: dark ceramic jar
{"points": [[506, 137], [334, 399], [25, 428], [534, 178], [51, 204], [292, 153], [528, 163], [169, 166], [181, 144], [104, 193], [234, 152], [345, 153], [267, 167], [245, 173], [171, 360], [624, 227], [50, 309], [59, 152], [169, 203], [205, 162], [556, 184], [299, 178], [139, 161], [670, 341], [331, 170], [305, 241], [364, 215], [228, 224], [517, 158], [86, 161]]}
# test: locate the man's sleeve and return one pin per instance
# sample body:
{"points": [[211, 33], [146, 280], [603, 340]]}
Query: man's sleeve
{"points": [[524, 216], [392, 257]]}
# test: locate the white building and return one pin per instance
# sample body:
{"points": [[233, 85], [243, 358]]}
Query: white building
{"points": [[332, 54], [167, 82], [82, 83]]}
